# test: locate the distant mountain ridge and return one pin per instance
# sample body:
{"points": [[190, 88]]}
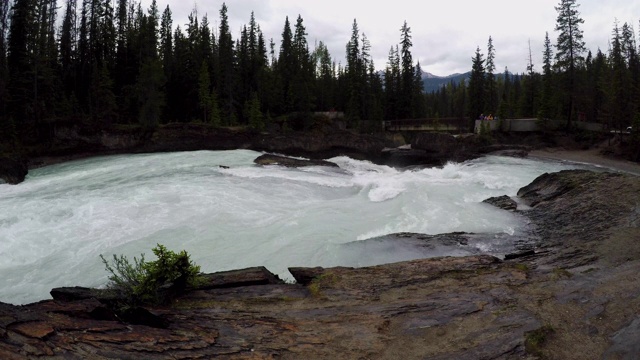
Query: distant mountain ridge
{"points": [[433, 82]]}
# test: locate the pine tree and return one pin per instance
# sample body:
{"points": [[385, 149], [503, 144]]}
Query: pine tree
{"points": [[392, 84], [325, 78], [285, 66], [504, 107], [353, 76], [477, 86], [419, 106], [253, 114], [408, 72], [21, 63], [633, 63], [492, 92], [166, 40], [67, 44], [302, 82], [528, 101], [545, 103], [569, 49], [227, 71], [204, 91], [150, 95], [7, 128], [619, 99]]}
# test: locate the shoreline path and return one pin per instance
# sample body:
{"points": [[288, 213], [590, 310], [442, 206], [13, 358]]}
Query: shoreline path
{"points": [[592, 157]]}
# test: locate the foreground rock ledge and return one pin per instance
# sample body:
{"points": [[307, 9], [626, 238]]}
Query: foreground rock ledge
{"points": [[576, 297]]}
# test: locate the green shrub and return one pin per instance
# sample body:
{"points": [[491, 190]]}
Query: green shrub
{"points": [[152, 282], [535, 339]]}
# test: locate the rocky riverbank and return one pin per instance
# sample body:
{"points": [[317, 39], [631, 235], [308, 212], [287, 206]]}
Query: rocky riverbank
{"points": [[426, 149], [576, 296]]}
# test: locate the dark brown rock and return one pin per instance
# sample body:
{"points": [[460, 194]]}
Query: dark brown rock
{"points": [[33, 329], [75, 293], [403, 157], [269, 159], [520, 254], [304, 276], [442, 147], [258, 275], [506, 150], [550, 186], [503, 202], [13, 171]]}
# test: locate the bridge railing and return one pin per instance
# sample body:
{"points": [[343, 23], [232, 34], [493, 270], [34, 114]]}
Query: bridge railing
{"points": [[428, 124]]}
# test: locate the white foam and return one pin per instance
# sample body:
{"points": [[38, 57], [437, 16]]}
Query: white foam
{"points": [[54, 226]]}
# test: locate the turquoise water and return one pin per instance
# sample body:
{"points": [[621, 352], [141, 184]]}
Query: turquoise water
{"points": [[54, 226]]}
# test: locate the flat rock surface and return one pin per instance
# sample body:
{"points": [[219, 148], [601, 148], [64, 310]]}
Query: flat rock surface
{"points": [[576, 297]]}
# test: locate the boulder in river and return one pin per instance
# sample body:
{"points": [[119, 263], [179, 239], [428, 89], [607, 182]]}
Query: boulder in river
{"points": [[269, 159], [13, 171], [503, 202]]}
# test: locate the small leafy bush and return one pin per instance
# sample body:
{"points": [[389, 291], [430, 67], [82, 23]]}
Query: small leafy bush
{"points": [[151, 282]]}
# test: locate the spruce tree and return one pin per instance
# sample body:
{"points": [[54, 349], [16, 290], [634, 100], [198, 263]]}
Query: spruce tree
{"points": [[547, 82], [633, 63], [492, 92], [21, 63], [227, 70], [204, 91], [419, 107], [324, 77], [353, 76], [477, 87], [302, 82], [7, 130], [408, 72], [285, 68], [166, 40], [392, 84], [569, 49], [620, 84]]}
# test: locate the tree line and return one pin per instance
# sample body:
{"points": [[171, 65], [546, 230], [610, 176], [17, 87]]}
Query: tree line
{"points": [[574, 83], [107, 62], [123, 64]]}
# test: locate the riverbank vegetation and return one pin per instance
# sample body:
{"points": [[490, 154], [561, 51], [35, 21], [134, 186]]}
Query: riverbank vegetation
{"points": [[99, 63], [151, 282]]}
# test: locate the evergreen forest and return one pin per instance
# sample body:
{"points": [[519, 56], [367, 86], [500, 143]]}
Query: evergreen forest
{"points": [[102, 63]]}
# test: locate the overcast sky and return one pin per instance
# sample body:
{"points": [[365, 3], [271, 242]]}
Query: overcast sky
{"points": [[445, 33]]}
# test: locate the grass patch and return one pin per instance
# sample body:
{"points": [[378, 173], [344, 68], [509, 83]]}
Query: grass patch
{"points": [[522, 267], [560, 273], [534, 340], [321, 282]]}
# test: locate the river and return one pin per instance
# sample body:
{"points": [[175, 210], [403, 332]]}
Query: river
{"points": [[229, 213]]}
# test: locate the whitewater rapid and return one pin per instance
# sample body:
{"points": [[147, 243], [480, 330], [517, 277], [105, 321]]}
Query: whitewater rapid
{"points": [[229, 213]]}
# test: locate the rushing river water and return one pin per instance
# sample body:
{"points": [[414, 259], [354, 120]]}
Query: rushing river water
{"points": [[54, 226]]}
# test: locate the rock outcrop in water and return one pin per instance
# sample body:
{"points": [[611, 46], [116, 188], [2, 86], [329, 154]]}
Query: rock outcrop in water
{"points": [[12, 171], [577, 296], [270, 159]]}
